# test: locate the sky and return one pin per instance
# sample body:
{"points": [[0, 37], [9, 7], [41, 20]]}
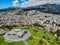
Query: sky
{"points": [[24, 3], [8, 3]]}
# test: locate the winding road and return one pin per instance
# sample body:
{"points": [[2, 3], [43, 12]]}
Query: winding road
{"points": [[42, 39], [26, 43]]}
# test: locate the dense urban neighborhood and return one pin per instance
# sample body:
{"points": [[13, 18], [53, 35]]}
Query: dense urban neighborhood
{"points": [[32, 17]]}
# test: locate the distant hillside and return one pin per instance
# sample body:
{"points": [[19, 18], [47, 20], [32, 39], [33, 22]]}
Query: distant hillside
{"points": [[9, 9], [49, 8]]}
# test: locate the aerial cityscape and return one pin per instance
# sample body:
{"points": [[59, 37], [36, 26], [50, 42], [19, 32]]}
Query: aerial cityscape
{"points": [[30, 22]]}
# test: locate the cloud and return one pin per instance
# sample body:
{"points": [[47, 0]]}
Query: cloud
{"points": [[15, 3], [37, 2]]}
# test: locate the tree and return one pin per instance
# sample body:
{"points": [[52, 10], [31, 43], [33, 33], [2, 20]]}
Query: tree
{"points": [[51, 32], [41, 41], [44, 36], [30, 37], [58, 32], [56, 39]]}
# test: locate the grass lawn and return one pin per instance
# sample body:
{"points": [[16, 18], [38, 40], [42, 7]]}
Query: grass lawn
{"points": [[41, 33], [35, 41], [2, 42], [35, 31]]}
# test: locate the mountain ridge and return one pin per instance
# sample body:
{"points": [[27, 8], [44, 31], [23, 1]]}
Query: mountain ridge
{"points": [[49, 8]]}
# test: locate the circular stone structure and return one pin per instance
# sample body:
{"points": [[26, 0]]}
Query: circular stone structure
{"points": [[2, 32], [17, 35]]}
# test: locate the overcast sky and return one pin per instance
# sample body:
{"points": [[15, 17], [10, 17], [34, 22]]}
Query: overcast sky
{"points": [[38, 2]]}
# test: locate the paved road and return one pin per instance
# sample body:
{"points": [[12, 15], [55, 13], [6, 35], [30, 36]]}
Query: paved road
{"points": [[42, 39], [26, 43]]}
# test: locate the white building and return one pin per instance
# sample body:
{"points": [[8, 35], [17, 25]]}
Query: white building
{"points": [[14, 35]]}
